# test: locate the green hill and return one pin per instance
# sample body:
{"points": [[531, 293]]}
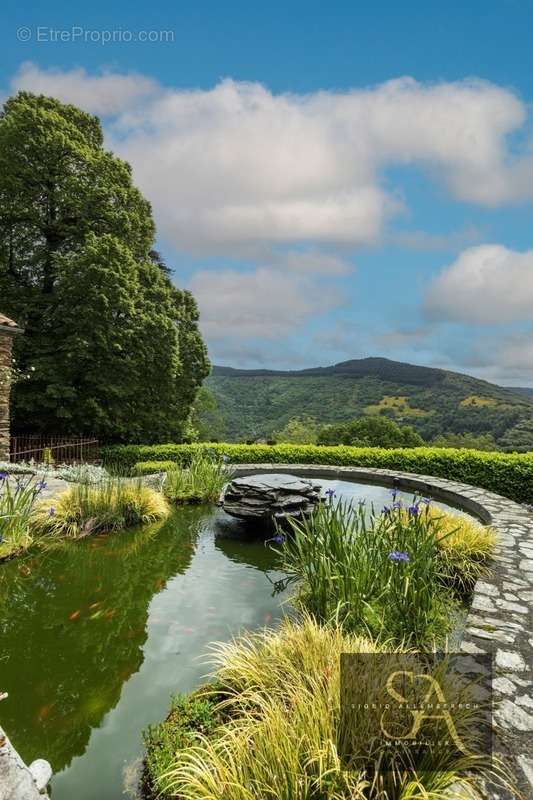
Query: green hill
{"points": [[256, 402]]}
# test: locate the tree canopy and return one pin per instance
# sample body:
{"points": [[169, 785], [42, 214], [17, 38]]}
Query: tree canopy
{"points": [[298, 430], [370, 432], [111, 346]]}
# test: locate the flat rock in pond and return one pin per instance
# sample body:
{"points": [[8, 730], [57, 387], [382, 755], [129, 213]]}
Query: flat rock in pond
{"points": [[270, 497]]}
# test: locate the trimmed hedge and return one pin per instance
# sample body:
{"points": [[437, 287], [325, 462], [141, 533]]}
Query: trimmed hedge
{"points": [[152, 467], [509, 474]]}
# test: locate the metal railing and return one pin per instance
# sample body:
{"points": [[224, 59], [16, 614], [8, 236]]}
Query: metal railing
{"points": [[57, 448]]}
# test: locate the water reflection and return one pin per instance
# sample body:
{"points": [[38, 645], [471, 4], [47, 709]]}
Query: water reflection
{"points": [[73, 629], [95, 635]]}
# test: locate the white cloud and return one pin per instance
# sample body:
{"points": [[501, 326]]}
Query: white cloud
{"points": [[239, 167], [486, 284], [263, 304], [106, 94]]}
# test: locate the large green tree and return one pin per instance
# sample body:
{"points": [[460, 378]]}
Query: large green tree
{"points": [[370, 431], [111, 346]]}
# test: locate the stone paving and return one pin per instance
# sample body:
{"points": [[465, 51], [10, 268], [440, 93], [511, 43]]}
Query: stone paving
{"points": [[500, 620]]}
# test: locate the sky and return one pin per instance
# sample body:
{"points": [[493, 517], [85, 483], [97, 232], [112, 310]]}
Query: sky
{"points": [[331, 180]]}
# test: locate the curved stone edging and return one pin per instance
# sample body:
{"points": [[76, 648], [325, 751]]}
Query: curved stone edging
{"points": [[500, 620]]}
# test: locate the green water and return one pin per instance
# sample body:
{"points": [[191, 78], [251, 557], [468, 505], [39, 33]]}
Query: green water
{"points": [[95, 635]]}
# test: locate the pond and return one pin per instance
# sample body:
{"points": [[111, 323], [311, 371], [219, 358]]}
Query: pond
{"points": [[95, 635]]}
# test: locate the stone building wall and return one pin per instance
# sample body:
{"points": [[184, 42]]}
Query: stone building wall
{"points": [[8, 329]]}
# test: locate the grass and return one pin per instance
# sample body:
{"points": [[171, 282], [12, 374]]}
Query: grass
{"points": [[110, 505], [464, 549], [373, 574], [280, 703], [200, 482], [17, 499]]}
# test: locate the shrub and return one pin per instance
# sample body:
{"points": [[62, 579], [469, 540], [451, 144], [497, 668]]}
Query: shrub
{"points": [[153, 467], [282, 706], [200, 482], [372, 574], [298, 430], [190, 717], [77, 473], [370, 432], [17, 468], [510, 474], [87, 508]]}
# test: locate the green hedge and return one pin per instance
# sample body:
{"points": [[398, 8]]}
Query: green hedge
{"points": [[509, 474], [151, 467]]}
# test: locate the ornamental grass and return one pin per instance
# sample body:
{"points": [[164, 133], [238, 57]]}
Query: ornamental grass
{"points": [[200, 482], [281, 710], [110, 505]]}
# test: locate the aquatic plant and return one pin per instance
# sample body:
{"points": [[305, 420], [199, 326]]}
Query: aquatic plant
{"points": [[279, 696], [371, 573], [89, 508], [201, 481], [17, 499]]}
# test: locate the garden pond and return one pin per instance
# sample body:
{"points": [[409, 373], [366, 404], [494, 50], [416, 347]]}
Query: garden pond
{"points": [[96, 634]]}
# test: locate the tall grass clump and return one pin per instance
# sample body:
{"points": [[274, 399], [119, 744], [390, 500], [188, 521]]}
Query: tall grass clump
{"points": [[465, 549], [281, 710], [371, 573], [17, 500], [201, 481], [88, 508]]}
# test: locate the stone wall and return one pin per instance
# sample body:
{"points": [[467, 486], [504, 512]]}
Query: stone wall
{"points": [[6, 342]]}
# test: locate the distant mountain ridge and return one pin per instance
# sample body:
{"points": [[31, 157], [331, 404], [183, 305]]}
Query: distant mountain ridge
{"points": [[361, 367], [256, 402], [527, 390]]}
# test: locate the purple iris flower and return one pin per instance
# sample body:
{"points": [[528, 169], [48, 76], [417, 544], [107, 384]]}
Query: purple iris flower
{"points": [[40, 486], [330, 493], [3, 476], [397, 504], [414, 510], [386, 510], [398, 556], [278, 538], [52, 511]]}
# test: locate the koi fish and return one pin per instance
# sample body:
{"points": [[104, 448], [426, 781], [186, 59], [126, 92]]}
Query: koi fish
{"points": [[75, 614], [44, 711]]}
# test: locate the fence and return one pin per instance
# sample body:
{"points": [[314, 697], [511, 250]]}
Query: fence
{"points": [[60, 449]]}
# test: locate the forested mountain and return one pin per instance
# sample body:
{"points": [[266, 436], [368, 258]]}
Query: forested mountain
{"points": [[256, 402]]}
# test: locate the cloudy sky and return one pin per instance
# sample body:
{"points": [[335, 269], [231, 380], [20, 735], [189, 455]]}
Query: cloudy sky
{"points": [[330, 181]]}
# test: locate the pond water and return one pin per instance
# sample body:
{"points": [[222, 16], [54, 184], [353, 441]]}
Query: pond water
{"points": [[95, 635]]}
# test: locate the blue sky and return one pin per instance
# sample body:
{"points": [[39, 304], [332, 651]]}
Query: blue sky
{"points": [[331, 180]]}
